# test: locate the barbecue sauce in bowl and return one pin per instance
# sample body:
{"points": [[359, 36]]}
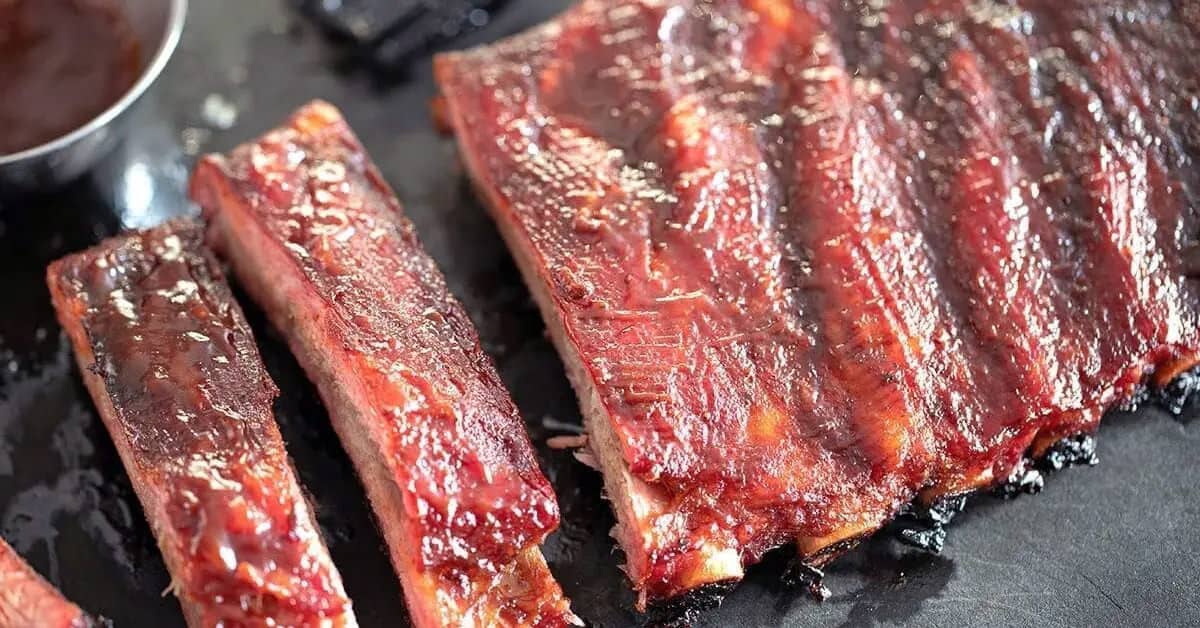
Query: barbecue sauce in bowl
{"points": [[62, 63]]}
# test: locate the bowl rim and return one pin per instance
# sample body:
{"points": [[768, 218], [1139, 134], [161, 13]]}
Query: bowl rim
{"points": [[176, 15]]}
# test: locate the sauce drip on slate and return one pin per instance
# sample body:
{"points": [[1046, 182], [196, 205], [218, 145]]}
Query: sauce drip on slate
{"points": [[62, 63]]}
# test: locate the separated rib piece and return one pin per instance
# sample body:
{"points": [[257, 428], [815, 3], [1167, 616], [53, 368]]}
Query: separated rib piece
{"points": [[320, 241], [26, 599], [172, 366], [807, 261]]}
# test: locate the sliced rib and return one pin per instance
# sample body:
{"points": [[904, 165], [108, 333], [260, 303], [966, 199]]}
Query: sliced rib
{"points": [[26, 599], [173, 369], [809, 261], [320, 241]]}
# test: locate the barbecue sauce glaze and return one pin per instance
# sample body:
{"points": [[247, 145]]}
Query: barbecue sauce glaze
{"points": [[62, 63], [819, 258], [450, 440], [193, 402]]}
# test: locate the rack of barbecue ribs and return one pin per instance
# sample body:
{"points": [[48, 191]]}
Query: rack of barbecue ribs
{"points": [[320, 241], [173, 369], [26, 599], [808, 262]]}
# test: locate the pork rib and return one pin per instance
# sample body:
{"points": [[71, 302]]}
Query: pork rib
{"points": [[26, 599], [321, 242], [173, 369], [808, 261]]}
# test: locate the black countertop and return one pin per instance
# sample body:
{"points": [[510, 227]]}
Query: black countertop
{"points": [[1114, 544]]}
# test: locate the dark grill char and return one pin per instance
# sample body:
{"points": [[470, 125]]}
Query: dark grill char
{"points": [[172, 366], [321, 242], [810, 260]]}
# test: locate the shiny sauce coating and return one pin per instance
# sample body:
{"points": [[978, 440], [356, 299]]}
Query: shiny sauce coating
{"points": [[62, 63], [192, 417], [406, 355], [821, 257]]}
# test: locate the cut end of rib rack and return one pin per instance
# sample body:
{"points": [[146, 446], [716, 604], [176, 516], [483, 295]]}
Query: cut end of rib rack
{"points": [[173, 369], [322, 244]]}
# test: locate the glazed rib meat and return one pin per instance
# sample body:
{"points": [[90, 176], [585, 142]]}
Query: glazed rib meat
{"points": [[808, 261], [26, 599], [173, 369], [320, 241]]}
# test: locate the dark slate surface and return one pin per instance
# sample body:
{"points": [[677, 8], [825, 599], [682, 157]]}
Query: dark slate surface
{"points": [[1113, 544]]}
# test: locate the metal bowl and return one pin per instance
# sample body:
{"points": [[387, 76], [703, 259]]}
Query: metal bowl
{"points": [[157, 25]]}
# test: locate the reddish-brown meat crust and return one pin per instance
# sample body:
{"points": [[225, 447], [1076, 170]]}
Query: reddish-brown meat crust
{"points": [[321, 242], [810, 260], [172, 366], [26, 599]]}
